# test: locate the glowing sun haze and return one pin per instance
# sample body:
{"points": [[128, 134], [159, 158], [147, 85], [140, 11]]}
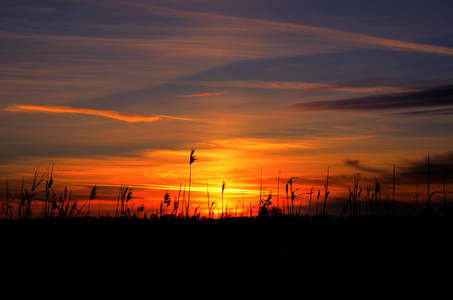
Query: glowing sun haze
{"points": [[119, 92]]}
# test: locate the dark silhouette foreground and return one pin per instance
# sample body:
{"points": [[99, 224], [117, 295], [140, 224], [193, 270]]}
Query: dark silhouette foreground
{"points": [[369, 245]]}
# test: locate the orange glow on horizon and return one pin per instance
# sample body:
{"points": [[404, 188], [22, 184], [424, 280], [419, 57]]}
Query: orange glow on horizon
{"points": [[250, 168], [120, 96]]}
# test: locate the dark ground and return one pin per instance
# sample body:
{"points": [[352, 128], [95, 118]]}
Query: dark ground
{"points": [[371, 245]]}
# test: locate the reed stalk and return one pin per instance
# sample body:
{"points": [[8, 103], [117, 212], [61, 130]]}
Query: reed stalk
{"points": [[326, 191], [393, 192], [223, 189], [278, 187], [309, 203], [207, 193], [7, 208], [429, 198], [445, 192], [192, 159]]}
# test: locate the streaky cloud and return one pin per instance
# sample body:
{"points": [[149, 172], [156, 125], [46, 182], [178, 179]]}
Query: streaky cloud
{"points": [[294, 87], [87, 111], [441, 96], [429, 112], [202, 95], [276, 26]]}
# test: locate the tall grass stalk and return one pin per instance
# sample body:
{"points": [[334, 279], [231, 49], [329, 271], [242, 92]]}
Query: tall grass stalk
{"points": [[445, 192], [368, 204], [183, 207], [166, 202], [223, 189], [317, 200], [393, 192], [176, 202], [377, 196], [243, 201], [47, 206], [429, 198], [207, 194], [309, 203], [326, 191], [236, 210], [124, 195], [278, 187], [261, 189], [353, 199], [28, 197], [7, 208], [416, 196], [66, 204], [192, 159], [92, 196], [289, 188]]}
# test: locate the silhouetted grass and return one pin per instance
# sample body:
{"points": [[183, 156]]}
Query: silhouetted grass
{"points": [[378, 240]]}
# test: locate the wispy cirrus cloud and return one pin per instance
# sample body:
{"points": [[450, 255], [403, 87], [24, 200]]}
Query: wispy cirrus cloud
{"points": [[430, 112], [202, 95], [189, 43], [87, 111], [297, 87], [299, 30]]}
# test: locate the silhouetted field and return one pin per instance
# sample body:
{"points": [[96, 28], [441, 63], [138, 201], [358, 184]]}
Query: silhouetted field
{"points": [[316, 246], [379, 239]]}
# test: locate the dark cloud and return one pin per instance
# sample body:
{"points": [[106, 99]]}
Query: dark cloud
{"points": [[431, 112], [438, 164], [355, 163], [435, 97]]}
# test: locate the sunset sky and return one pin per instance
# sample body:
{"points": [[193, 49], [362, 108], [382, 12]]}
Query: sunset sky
{"points": [[119, 92]]}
